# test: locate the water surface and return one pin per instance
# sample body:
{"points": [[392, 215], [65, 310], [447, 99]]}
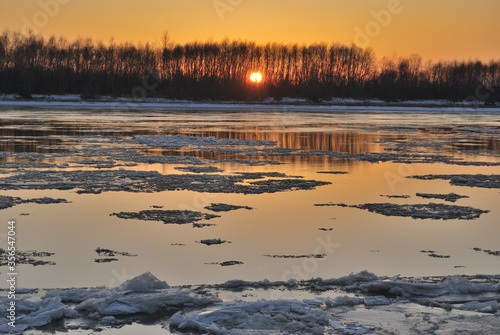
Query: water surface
{"points": [[282, 223]]}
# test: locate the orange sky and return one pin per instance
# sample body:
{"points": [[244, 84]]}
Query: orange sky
{"points": [[436, 29]]}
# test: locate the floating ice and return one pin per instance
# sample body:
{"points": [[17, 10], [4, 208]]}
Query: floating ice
{"points": [[226, 263], [145, 295], [297, 256], [6, 201], [95, 182], [420, 211], [143, 283], [225, 207], [332, 172], [404, 196], [106, 260], [452, 197], [26, 257], [470, 180], [109, 252], [167, 216], [212, 241], [260, 317], [199, 169], [179, 141], [34, 313], [376, 301], [488, 251]]}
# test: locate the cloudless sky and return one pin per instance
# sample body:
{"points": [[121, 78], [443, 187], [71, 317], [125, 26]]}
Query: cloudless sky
{"points": [[435, 29]]}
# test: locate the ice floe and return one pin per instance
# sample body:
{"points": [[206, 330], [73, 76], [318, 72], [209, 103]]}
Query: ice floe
{"points": [[199, 169], [106, 260], [6, 201], [109, 255], [167, 216], [26, 257], [419, 211], [432, 253], [179, 141], [451, 197], [219, 207], [404, 196], [212, 241], [332, 172], [470, 180], [95, 182], [297, 256], [226, 263], [488, 251]]}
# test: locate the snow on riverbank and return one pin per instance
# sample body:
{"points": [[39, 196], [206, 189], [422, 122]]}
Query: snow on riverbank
{"points": [[287, 104], [199, 308]]}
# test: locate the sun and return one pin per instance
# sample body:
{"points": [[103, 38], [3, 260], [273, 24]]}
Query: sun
{"points": [[256, 77]]}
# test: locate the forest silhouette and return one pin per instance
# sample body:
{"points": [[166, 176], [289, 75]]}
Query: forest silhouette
{"points": [[32, 64]]}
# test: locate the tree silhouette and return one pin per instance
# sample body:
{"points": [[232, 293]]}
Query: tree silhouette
{"points": [[220, 70]]}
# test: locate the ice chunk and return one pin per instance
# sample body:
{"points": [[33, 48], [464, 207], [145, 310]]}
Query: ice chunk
{"points": [[108, 320], [94, 316], [142, 294], [199, 169], [34, 313], [343, 301], [213, 241], [363, 276], [290, 316], [267, 317], [483, 307], [75, 295], [376, 301], [144, 283], [452, 285]]}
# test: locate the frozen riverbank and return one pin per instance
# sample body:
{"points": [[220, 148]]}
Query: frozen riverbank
{"points": [[286, 104]]}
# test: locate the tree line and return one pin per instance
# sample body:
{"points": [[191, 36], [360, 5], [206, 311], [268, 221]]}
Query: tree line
{"points": [[32, 64]]}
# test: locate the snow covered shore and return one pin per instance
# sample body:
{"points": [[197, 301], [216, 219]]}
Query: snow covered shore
{"points": [[286, 104], [461, 302]]}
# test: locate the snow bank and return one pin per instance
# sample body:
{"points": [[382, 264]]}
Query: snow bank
{"points": [[288, 105]]}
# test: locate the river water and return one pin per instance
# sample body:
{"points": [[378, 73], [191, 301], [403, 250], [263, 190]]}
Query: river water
{"points": [[284, 235]]}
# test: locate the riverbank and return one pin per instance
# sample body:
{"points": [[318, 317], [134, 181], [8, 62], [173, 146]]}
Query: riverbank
{"points": [[285, 104]]}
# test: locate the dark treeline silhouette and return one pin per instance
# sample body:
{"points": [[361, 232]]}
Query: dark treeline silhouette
{"points": [[32, 64]]}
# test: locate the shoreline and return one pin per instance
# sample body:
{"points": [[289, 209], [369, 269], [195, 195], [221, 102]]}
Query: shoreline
{"points": [[287, 104]]}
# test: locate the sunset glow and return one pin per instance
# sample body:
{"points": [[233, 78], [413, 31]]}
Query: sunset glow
{"points": [[453, 30], [256, 77]]}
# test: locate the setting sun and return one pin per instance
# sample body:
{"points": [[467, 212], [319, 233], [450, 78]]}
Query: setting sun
{"points": [[256, 77]]}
